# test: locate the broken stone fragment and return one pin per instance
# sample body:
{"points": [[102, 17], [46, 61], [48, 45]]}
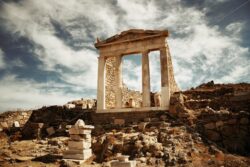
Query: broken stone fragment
{"points": [[209, 126], [50, 130], [4, 125], [142, 125], [79, 123], [119, 122], [16, 124]]}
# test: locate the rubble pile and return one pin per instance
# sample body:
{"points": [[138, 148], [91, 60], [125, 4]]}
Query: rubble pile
{"points": [[154, 141], [221, 113], [81, 104]]}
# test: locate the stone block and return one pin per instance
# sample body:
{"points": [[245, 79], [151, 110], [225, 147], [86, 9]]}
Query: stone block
{"points": [[77, 131], [232, 121], [76, 154], [147, 119], [78, 151], [210, 125], [50, 130], [244, 121], [123, 158], [78, 144], [4, 125], [213, 135], [84, 137], [219, 124], [16, 124], [142, 125], [229, 131], [123, 164], [119, 122], [24, 113]]}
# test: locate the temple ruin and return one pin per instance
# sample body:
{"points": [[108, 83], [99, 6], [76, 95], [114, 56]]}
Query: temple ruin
{"points": [[112, 94]]}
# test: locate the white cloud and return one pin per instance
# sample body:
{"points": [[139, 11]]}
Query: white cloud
{"points": [[2, 62], [27, 94], [131, 73]]}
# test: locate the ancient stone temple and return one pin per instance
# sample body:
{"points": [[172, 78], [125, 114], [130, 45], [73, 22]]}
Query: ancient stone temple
{"points": [[112, 94]]}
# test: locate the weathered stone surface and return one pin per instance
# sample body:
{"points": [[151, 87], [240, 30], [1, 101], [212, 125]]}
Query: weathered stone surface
{"points": [[16, 124], [76, 131], [77, 154], [210, 125], [213, 135], [232, 121], [85, 137], [119, 122], [4, 124], [50, 130], [244, 121], [142, 125], [78, 144], [219, 124], [123, 164], [79, 123]]}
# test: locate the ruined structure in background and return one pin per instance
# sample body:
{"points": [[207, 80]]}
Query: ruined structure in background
{"points": [[113, 96]]}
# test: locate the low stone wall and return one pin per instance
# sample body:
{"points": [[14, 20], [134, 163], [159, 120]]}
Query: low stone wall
{"points": [[128, 117], [14, 118], [229, 130], [53, 120]]}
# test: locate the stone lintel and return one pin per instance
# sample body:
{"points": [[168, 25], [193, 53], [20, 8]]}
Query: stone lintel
{"points": [[133, 47], [99, 45]]}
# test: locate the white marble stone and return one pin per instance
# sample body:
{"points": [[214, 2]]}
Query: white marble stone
{"points": [[72, 154], [123, 164], [77, 131], [78, 144]]}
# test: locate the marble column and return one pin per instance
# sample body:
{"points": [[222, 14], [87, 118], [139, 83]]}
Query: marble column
{"points": [[146, 102], [101, 84], [118, 78], [165, 87]]}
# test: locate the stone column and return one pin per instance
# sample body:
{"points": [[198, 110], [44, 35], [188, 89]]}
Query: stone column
{"points": [[101, 84], [165, 87], [146, 102], [118, 84]]}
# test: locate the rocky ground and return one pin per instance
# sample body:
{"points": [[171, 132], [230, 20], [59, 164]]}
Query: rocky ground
{"points": [[177, 138]]}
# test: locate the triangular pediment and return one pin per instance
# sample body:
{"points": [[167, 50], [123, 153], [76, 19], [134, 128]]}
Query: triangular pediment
{"points": [[132, 34]]}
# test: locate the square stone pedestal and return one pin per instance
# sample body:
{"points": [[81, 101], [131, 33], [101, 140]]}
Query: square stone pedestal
{"points": [[123, 164]]}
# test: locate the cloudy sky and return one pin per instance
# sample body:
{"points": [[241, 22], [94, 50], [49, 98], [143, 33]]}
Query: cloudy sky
{"points": [[47, 54]]}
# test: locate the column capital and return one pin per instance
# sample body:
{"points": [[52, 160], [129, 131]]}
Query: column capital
{"points": [[145, 52], [163, 48]]}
